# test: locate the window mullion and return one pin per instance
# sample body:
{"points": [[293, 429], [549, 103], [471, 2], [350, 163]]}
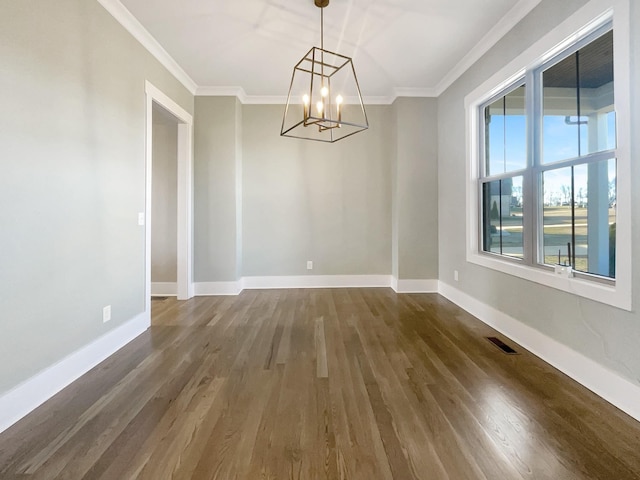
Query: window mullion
{"points": [[529, 181], [503, 176], [586, 159], [537, 214]]}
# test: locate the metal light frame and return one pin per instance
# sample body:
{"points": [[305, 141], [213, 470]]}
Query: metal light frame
{"points": [[324, 65]]}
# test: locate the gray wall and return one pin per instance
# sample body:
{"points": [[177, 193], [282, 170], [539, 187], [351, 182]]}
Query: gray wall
{"points": [[265, 204], [72, 135], [302, 200], [217, 171], [415, 189], [607, 335], [164, 204]]}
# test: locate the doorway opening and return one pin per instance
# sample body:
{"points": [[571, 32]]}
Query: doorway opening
{"points": [[169, 198], [164, 203]]}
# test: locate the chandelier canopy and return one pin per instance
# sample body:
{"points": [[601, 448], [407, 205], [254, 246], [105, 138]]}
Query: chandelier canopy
{"points": [[324, 101]]}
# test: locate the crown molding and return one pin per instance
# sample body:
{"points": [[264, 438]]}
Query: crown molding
{"points": [[506, 23], [237, 91], [142, 35], [379, 100], [414, 92], [229, 91], [282, 99], [266, 99]]}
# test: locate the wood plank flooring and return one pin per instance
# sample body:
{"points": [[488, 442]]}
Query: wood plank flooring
{"points": [[321, 384]]}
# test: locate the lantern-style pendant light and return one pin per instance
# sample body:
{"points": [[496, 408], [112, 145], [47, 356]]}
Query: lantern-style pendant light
{"points": [[324, 101]]}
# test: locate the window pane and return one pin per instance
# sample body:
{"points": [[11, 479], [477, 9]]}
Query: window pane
{"points": [[595, 241], [578, 101], [505, 133], [579, 209], [502, 217], [560, 110], [597, 132], [491, 217], [557, 215]]}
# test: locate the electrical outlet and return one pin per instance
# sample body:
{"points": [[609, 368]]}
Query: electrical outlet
{"points": [[309, 265], [141, 218], [455, 275], [106, 314]]}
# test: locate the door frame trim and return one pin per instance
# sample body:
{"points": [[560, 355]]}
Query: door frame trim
{"points": [[185, 286]]}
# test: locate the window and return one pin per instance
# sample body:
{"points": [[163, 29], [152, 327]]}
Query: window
{"points": [[579, 160], [568, 177], [549, 168], [505, 154]]}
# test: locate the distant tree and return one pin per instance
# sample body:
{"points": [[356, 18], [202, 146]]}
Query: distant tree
{"points": [[612, 192], [517, 194], [566, 193], [495, 214]]}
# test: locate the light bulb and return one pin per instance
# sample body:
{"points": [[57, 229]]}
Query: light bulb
{"points": [[324, 91], [338, 109], [320, 107], [305, 109]]}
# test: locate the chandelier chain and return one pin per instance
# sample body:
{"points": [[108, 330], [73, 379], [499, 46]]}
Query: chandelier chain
{"points": [[322, 28]]}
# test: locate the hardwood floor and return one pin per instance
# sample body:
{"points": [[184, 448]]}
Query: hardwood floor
{"points": [[321, 384]]}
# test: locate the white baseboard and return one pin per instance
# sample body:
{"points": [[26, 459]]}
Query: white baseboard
{"points": [[29, 395], [414, 286], [605, 383], [217, 288], [164, 289], [317, 281]]}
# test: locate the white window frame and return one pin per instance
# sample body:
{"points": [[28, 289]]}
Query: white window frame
{"points": [[588, 19]]}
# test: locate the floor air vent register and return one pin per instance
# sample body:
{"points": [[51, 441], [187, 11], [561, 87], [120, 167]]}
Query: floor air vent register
{"points": [[502, 346]]}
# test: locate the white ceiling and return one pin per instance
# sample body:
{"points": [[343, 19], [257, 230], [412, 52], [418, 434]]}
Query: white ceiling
{"points": [[398, 46]]}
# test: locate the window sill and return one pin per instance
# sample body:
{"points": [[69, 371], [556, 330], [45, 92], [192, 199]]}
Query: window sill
{"points": [[613, 295]]}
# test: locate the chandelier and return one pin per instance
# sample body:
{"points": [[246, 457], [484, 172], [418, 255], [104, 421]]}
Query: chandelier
{"points": [[324, 101]]}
